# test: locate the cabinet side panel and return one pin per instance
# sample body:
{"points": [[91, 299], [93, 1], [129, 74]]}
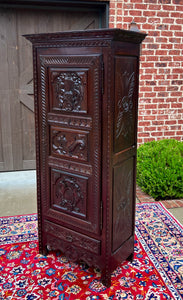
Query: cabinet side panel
{"points": [[122, 202]]}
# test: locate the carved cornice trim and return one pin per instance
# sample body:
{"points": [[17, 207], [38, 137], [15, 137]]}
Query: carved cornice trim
{"points": [[103, 38]]}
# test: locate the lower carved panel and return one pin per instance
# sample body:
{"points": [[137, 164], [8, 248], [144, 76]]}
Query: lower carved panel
{"points": [[69, 193], [122, 203], [72, 237], [72, 252]]}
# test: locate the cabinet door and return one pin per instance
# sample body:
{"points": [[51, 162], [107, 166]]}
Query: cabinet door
{"points": [[70, 137]]}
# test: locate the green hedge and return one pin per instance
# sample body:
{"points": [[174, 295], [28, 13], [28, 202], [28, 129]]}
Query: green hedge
{"points": [[160, 169]]}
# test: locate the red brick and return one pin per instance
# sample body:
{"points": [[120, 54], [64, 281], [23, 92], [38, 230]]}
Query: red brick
{"points": [[152, 58], [166, 46], [168, 7], [157, 123], [162, 94], [163, 105], [144, 123], [149, 129], [169, 133], [172, 88], [140, 20], [166, 33], [145, 77], [179, 21], [163, 14], [140, 6], [112, 11], [176, 105], [159, 88], [127, 19], [171, 122], [153, 46], [176, 15], [146, 89], [178, 33], [179, 82], [176, 94], [156, 133], [164, 58], [150, 94], [175, 40], [154, 7], [179, 2], [143, 134], [163, 82], [151, 106], [149, 118], [135, 12], [128, 6], [163, 53], [147, 65], [168, 21], [119, 5], [119, 19], [161, 40], [149, 13], [176, 27]]}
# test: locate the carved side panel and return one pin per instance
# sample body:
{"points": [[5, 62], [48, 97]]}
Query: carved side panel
{"points": [[71, 144], [69, 193], [122, 202], [69, 90], [125, 102]]}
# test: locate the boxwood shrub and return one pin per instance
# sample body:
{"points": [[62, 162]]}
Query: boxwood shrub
{"points": [[160, 169]]}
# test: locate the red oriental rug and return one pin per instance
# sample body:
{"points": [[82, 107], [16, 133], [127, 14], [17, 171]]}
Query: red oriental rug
{"points": [[156, 272]]}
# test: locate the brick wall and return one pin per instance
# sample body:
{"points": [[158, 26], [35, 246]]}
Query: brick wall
{"points": [[161, 69]]}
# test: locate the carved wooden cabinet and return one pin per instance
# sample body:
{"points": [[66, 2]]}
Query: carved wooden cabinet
{"points": [[86, 94]]}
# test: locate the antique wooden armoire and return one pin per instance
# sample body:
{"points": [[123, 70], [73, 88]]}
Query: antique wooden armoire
{"points": [[86, 101]]}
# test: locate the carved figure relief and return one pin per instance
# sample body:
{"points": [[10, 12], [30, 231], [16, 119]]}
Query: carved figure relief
{"points": [[69, 144], [70, 194], [69, 90], [125, 103]]}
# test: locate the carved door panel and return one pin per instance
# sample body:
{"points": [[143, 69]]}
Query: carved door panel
{"points": [[70, 134], [17, 129]]}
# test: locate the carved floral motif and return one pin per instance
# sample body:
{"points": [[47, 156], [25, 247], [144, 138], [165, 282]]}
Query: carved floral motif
{"points": [[125, 103], [68, 194]]}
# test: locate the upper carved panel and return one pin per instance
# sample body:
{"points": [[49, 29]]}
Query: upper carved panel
{"points": [[69, 92], [125, 97], [125, 104]]}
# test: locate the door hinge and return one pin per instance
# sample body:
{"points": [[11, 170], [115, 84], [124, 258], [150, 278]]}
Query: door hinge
{"points": [[101, 216], [102, 79]]}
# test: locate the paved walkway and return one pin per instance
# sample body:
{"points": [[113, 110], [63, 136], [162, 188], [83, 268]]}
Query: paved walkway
{"points": [[175, 206]]}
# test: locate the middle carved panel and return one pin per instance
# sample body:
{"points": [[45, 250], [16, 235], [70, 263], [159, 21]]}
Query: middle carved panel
{"points": [[71, 144]]}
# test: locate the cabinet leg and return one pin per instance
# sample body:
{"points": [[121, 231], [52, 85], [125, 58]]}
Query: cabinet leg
{"points": [[130, 257], [106, 279], [43, 249]]}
